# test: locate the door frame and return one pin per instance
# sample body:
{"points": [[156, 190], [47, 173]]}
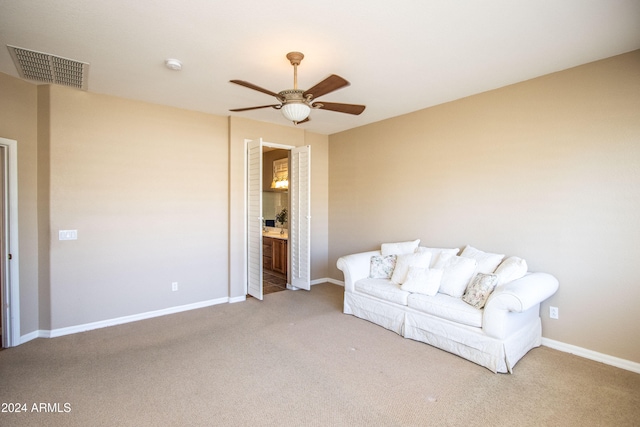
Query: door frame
{"points": [[246, 207], [10, 263]]}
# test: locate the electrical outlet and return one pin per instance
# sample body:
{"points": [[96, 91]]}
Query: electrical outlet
{"points": [[553, 312], [174, 286]]}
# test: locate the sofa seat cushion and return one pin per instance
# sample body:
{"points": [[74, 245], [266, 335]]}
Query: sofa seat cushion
{"points": [[446, 307], [384, 289]]}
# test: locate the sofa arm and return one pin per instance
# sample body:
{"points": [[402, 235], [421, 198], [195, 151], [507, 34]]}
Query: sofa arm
{"points": [[355, 267], [514, 297]]}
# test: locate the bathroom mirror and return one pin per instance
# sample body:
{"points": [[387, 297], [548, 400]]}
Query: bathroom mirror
{"points": [[275, 195], [280, 174]]}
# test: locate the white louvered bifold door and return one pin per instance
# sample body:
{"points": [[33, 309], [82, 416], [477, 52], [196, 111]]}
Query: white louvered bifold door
{"points": [[300, 217], [254, 220]]}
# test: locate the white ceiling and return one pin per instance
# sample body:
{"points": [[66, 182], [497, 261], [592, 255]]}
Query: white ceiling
{"points": [[400, 56]]}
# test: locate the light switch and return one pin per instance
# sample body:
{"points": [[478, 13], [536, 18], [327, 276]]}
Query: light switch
{"points": [[67, 234]]}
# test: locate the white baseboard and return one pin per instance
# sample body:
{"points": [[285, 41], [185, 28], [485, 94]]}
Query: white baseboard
{"points": [[43, 333], [326, 280], [556, 345], [592, 355], [30, 336], [118, 321]]}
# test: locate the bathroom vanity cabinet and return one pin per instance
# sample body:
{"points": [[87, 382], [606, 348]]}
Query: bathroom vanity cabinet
{"points": [[274, 254]]}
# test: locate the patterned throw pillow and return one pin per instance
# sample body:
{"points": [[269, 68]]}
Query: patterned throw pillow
{"points": [[479, 289], [382, 266]]}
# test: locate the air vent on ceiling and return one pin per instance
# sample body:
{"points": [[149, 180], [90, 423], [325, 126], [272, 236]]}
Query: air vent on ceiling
{"points": [[47, 68]]}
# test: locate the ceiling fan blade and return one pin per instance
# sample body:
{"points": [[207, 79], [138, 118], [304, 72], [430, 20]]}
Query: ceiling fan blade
{"points": [[303, 121], [258, 88], [340, 108], [331, 83], [277, 106]]}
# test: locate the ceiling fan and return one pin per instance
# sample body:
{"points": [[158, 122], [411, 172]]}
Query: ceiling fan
{"points": [[296, 104]]}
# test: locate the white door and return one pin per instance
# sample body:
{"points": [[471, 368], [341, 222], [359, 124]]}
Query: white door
{"points": [[300, 217], [9, 262], [4, 318], [254, 218]]}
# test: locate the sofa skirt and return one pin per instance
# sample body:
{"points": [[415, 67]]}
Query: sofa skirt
{"points": [[472, 343]]}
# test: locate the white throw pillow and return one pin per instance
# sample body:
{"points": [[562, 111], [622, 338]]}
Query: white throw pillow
{"points": [[479, 289], [399, 248], [435, 252], [487, 262], [511, 269], [457, 273], [422, 280], [405, 261]]}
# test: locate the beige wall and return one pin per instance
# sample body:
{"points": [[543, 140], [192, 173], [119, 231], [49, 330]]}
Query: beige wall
{"points": [[44, 213], [18, 121], [319, 204], [548, 170], [145, 186]]}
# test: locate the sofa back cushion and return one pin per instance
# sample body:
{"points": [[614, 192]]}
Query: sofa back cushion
{"points": [[487, 261], [435, 252], [399, 248], [511, 269]]}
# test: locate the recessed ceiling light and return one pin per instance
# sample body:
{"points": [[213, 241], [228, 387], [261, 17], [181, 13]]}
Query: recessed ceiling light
{"points": [[173, 64]]}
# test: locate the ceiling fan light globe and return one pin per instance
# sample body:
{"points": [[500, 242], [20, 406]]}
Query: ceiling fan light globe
{"points": [[295, 111]]}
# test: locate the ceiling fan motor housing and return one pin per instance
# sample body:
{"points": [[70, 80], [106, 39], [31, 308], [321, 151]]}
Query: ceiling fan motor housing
{"points": [[295, 107], [294, 95]]}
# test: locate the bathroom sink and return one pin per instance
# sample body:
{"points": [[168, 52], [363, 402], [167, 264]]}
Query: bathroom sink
{"points": [[275, 234]]}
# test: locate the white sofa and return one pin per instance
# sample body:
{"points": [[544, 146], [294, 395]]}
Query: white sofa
{"points": [[495, 336]]}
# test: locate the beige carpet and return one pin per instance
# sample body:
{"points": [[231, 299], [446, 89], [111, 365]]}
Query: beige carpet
{"points": [[295, 360]]}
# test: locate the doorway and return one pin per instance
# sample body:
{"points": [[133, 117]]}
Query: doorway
{"points": [[275, 212], [9, 264], [297, 251], [3, 238]]}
